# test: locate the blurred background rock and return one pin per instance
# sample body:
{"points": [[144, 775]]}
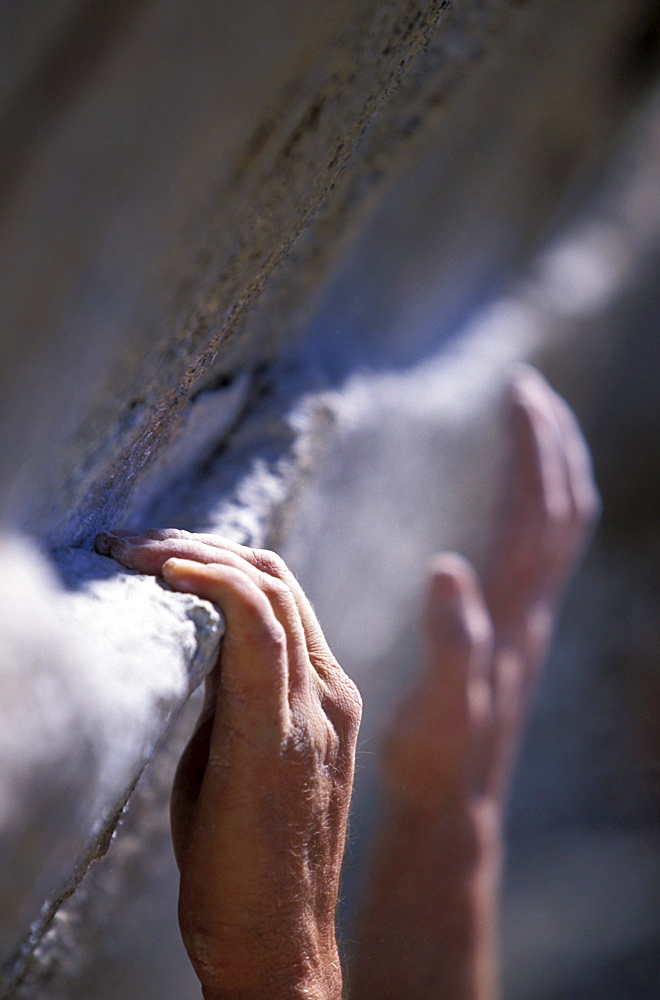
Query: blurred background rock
{"points": [[266, 268]]}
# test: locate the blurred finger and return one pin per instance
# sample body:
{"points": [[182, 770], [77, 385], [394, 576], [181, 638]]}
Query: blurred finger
{"points": [[536, 509], [457, 630], [585, 501], [435, 733]]}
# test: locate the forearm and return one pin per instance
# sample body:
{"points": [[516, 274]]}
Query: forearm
{"points": [[428, 927]]}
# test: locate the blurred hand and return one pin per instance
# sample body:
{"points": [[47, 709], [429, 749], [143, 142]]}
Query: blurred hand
{"points": [[486, 639], [428, 927]]}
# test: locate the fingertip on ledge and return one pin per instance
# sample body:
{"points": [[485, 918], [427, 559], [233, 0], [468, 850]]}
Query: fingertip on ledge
{"points": [[105, 540]]}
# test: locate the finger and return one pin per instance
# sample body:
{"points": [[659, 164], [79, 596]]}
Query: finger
{"points": [[458, 640], [253, 683], [536, 505], [148, 557], [575, 502], [585, 500], [273, 564], [286, 611], [457, 631], [581, 499], [306, 642], [510, 704], [430, 745], [538, 478], [105, 539], [149, 553]]}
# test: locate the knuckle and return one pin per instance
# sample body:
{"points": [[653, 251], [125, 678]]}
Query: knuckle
{"points": [[274, 588], [353, 698], [326, 737], [279, 594], [345, 702], [310, 735], [161, 534], [271, 563]]}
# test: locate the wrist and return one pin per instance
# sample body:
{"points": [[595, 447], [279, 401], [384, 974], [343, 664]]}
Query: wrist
{"points": [[289, 952], [277, 976], [281, 988]]}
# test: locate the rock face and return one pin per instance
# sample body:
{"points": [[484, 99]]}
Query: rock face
{"points": [[91, 679], [266, 268], [162, 181]]}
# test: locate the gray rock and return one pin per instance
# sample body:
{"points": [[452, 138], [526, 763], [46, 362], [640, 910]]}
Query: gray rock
{"points": [[91, 676]]}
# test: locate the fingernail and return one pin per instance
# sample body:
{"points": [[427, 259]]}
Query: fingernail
{"points": [[178, 568], [106, 541], [177, 564]]}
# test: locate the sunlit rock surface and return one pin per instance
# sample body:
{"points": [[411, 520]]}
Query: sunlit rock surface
{"points": [[91, 677]]}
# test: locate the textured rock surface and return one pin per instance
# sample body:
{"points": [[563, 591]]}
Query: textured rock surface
{"points": [[91, 678], [198, 160], [153, 207], [117, 935]]}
